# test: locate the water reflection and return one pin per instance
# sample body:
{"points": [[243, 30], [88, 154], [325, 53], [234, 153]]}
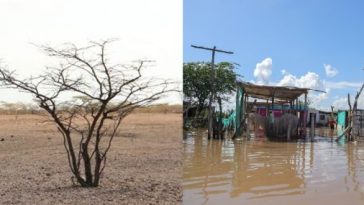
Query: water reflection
{"points": [[262, 172]]}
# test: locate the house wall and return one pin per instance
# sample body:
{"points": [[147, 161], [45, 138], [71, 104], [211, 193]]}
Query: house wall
{"points": [[358, 128], [323, 118], [342, 119]]}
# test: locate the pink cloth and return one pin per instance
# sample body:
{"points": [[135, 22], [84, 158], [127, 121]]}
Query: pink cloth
{"points": [[263, 112]]}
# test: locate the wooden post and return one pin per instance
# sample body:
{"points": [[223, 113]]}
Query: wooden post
{"points": [[312, 130], [242, 111], [212, 93], [245, 105], [305, 101], [246, 113], [247, 118], [305, 113], [220, 133], [237, 114], [210, 117], [289, 131], [271, 126]]}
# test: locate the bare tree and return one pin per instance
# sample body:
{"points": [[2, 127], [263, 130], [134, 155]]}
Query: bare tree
{"points": [[352, 112], [351, 117], [103, 95]]}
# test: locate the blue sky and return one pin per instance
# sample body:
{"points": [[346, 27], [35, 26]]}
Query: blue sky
{"points": [[299, 37]]}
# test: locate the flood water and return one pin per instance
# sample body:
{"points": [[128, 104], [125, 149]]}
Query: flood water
{"points": [[258, 171]]}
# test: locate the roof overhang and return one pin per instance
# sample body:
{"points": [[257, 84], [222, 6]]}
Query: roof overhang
{"points": [[268, 92]]}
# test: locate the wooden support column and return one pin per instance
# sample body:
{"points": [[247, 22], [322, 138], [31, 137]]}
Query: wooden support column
{"points": [[245, 110], [246, 105], [305, 115], [239, 106], [236, 112], [273, 95], [312, 126], [219, 128], [242, 114], [247, 118], [305, 101]]}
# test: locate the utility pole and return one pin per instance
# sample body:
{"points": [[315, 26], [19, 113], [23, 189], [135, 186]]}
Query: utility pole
{"points": [[210, 120]]}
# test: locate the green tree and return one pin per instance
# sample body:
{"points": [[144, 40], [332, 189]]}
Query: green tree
{"points": [[225, 81], [197, 81]]}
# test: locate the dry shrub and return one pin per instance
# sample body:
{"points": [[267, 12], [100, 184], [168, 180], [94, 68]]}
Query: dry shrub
{"points": [[18, 108], [160, 108]]}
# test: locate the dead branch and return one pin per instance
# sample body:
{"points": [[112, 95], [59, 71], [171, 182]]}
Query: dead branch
{"points": [[352, 111], [103, 96]]}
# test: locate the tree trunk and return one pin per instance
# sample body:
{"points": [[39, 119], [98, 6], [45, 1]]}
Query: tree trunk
{"points": [[98, 162], [351, 118], [220, 133], [87, 164]]}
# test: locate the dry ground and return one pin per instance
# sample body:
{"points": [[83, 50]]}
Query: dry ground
{"points": [[144, 164]]}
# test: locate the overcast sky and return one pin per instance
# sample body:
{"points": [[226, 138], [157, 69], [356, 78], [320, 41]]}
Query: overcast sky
{"points": [[145, 29]]}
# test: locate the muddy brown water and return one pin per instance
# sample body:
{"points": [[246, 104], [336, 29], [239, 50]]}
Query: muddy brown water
{"points": [[259, 171]]}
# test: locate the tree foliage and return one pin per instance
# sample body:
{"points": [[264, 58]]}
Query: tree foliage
{"points": [[197, 81]]}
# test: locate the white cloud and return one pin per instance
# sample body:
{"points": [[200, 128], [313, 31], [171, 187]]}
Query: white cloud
{"points": [[263, 71], [288, 80], [360, 101], [317, 99], [341, 103], [309, 80], [342, 84], [330, 71], [284, 72]]}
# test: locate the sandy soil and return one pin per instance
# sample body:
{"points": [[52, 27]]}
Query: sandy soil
{"points": [[144, 164]]}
